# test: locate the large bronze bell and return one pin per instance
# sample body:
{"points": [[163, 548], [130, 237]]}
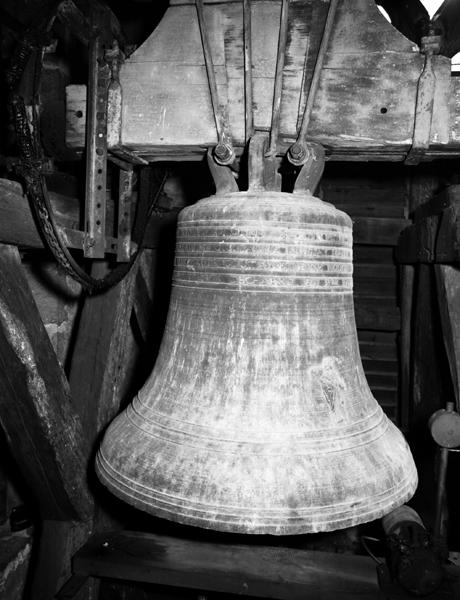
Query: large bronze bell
{"points": [[257, 417]]}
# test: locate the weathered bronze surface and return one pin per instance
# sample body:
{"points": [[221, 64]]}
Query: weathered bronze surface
{"points": [[257, 417]]}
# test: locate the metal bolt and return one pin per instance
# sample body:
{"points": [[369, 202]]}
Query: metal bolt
{"points": [[297, 153], [223, 154]]}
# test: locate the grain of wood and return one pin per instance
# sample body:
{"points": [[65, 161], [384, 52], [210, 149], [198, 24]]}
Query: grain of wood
{"points": [[37, 413]]}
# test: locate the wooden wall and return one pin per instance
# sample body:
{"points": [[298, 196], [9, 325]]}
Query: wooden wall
{"points": [[376, 199]]}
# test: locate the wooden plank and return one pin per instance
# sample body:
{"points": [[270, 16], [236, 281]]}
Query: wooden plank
{"points": [[362, 271], [429, 385], [369, 281], [382, 287], [72, 587], [118, 590], [435, 234], [381, 366], [378, 352], [155, 113], [258, 571], [381, 232], [448, 288], [385, 397], [383, 381], [373, 255], [101, 357], [365, 196], [380, 314], [37, 414], [100, 370], [75, 132], [392, 413], [355, 208], [166, 104], [54, 548], [376, 337], [405, 344]]}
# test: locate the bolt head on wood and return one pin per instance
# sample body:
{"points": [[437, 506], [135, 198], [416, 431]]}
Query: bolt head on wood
{"points": [[224, 154], [297, 154]]}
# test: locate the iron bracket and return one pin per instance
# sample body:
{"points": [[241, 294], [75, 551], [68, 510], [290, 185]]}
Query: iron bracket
{"points": [[223, 177], [430, 45], [96, 136], [263, 169], [313, 159]]}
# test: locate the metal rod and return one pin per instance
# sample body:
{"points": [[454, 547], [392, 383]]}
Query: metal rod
{"points": [[317, 70], [224, 150], [249, 120], [278, 87]]}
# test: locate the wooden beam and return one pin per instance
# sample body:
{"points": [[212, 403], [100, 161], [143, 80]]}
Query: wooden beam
{"points": [[40, 424], [430, 385], [378, 231], [54, 548], [377, 313], [258, 571], [166, 105], [448, 286], [100, 371], [100, 356], [435, 235]]}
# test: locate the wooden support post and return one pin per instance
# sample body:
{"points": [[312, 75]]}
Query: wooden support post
{"points": [[430, 385], [448, 286], [405, 342], [58, 541], [98, 366], [36, 412], [41, 427]]}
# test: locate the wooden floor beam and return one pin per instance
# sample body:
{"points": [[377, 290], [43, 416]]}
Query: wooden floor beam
{"points": [[251, 570]]}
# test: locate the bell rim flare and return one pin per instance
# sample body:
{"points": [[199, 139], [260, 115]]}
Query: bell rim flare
{"points": [[268, 521]]}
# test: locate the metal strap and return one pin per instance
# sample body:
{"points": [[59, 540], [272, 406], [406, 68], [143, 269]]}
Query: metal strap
{"points": [[297, 153], [278, 85], [223, 152], [424, 104], [248, 109]]}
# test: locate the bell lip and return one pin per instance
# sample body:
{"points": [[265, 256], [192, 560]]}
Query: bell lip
{"points": [[356, 515]]}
